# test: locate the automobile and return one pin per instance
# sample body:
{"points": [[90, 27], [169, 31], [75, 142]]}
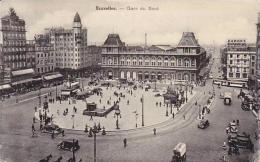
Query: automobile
{"points": [[221, 95], [203, 124], [69, 145], [179, 153], [105, 84], [242, 141], [157, 95], [49, 128], [210, 76]]}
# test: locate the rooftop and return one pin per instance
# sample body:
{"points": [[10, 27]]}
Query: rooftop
{"points": [[113, 40], [77, 18], [188, 40]]}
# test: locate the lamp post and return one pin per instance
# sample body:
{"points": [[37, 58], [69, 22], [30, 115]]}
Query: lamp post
{"points": [[186, 89], [136, 116], [72, 116], [95, 131], [39, 96], [167, 113], [117, 113], [56, 91], [142, 110]]}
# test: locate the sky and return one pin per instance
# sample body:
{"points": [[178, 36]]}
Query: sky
{"points": [[212, 21]]}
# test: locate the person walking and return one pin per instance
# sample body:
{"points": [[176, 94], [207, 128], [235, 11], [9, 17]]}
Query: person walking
{"points": [[172, 114], [125, 142], [33, 130], [184, 116], [154, 131], [237, 122]]}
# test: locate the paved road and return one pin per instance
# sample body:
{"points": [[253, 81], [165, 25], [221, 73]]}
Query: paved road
{"points": [[16, 143]]}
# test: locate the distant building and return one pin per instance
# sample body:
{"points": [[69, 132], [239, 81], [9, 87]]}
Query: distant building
{"points": [[183, 62], [70, 46], [257, 81], [240, 59], [45, 56], [13, 49]]}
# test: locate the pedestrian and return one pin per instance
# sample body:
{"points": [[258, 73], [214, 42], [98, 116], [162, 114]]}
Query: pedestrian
{"points": [[34, 120], [237, 122], [172, 114], [91, 117], [58, 112], [62, 133], [35, 109], [99, 100], [154, 131], [33, 129], [184, 116], [125, 142], [127, 102], [52, 135], [160, 104], [41, 127]]}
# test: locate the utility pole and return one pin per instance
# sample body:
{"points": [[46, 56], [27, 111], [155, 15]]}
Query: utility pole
{"points": [[142, 110]]}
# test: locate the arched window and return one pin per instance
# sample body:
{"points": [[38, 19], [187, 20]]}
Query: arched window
{"points": [[186, 62], [159, 61], [166, 61], [147, 61], [122, 60], [179, 62], [173, 61], [140, 61], [128, 61], [153, 61], [193, 62], [134, 61]]}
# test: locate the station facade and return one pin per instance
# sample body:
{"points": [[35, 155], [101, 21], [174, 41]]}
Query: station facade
{"points": [[160, 62]]}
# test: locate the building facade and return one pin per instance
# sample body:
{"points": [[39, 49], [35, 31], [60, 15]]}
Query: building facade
{"points": [[257, 80], [13, 44], [154, 62], [240, 60], [45, 55], [70, 46]]}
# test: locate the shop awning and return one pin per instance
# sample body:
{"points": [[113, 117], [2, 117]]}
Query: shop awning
{"points": [[74, 83], [23, 81], [22, 72], [54, 76], [5, 86], [146, 73], [65, 93]]}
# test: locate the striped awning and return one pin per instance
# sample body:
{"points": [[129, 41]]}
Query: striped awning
{"points": [[50, 77], [23, 81], [22, 72], [5, 86]]}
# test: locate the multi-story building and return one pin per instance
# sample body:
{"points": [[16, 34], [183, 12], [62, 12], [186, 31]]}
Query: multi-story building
{"points": [[183, 62], [240, 59], [45, 56], [13, 48], [30, 54], [70, 47], [257, 80]]}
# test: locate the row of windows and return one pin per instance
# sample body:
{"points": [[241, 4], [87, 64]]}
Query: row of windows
{"points": [[13, 57], [45, 55], [11, 35], [238, 75], [238, 70], [13, 49], [14, 43], [69, 59], [12, 27], [45, 69], [67, 65], [44, 48], [15, 65], [238, 62], [45, 62], [181, 62], [239, 55]]}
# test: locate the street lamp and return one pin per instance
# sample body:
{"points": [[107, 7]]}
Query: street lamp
{"points": [[39, 96], [186, 88], [72, 116], [95, 131], [136, 116], [142, 110], [117, 113], [167, 113]]}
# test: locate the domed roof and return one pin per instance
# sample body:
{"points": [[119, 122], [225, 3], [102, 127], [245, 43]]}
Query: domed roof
{"points": [[77, 18]]}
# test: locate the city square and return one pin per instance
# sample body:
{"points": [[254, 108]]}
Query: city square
{"points": [[79, 84]]}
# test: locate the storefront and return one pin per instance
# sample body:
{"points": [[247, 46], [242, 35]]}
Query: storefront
{"points": [[52, 80], [5, 90]]}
